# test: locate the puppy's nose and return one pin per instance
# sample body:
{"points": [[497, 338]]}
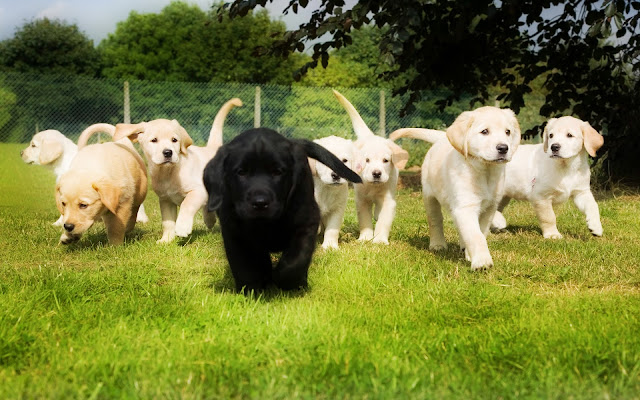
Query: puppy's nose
{"points": [[555, 147], [167, 153], [335, 176], [376, 174], [260, 203], [502, 148], [69, 227]]}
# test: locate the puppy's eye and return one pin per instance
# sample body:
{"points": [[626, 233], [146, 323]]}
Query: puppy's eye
{"points": [[154, 140], [508, 132], [83, 205], [569, 135], [551, 136], [64, 204], [384, 160], [174, 140], [276, 172], [344, 160], [241, 172], [367, 160], [33, 145], [484, 131]]}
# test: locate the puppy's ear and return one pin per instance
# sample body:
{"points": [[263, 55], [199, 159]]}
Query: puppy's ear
{"points": [[458, 132], [545, 134], [58, 201], [516, 134], [109, 195], [399, 156], [592, 139], [213, 178], [358, 160], [185, 139], [50, 150], [312, 165], [130, 131]]}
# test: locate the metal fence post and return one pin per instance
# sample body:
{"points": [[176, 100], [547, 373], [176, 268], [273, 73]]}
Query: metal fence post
{"points": [[256, 112], [383, 115]]}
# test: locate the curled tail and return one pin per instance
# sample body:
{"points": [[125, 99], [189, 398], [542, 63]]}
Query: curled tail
{"points": [[215, 135], [95, 128], [428, 135], [361, 129], [327, 158]]}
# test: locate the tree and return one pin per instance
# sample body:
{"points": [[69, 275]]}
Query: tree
{"points": [[184, 43], [586, 51], [49, 46]]}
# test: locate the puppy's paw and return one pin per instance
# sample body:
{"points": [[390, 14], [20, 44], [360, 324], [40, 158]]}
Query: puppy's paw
{"points": [[482, 261], [499, 223], [330, 245], [58, 222], [437, 246], [184, 229], [67, 238], [552, 235], [365, 236], [142, 218], [595, 229], [167, 237], [381, 239]]}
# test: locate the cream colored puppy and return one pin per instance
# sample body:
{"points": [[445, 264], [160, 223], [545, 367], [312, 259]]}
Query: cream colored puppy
{"points": [[464, 172], [176, 168], [55, 151], [378, 161], [552, 172], [105, 181], [330, 190]]}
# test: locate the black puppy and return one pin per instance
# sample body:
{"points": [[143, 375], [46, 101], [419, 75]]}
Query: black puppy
{"points": [[261, 186]]}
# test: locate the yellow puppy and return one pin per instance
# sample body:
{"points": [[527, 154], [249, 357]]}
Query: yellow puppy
{"points": [[105, 181]]}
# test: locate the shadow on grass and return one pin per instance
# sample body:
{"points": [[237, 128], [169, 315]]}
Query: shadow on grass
{"points": [[197, 234], [270, 293], [94, 240], [452, 253]]}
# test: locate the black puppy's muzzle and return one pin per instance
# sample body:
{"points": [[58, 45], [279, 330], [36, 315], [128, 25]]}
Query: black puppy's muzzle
{"points": [[260, 202]]}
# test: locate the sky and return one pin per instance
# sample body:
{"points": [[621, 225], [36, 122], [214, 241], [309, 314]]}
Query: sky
{"points": [[98, 18]]}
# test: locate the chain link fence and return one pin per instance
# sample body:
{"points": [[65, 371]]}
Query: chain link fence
{"points": [[31, 103]]}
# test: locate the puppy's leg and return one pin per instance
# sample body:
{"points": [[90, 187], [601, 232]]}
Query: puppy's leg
{"points": [[499, 222], [476, 248], [434, 218], [116, 227], [250, 267], [486, 216], [547, 218], [58, 222], [141, 215], [135, 214], [209, 217], [363, 207], [168, 211], [385, 219], [332, 224], [193, 202], [291, 271], [588, 206]]}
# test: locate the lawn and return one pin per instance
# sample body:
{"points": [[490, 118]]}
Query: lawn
{"points": [[552, 319]]}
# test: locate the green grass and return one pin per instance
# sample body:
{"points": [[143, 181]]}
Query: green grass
{"points": [[552, 319]]}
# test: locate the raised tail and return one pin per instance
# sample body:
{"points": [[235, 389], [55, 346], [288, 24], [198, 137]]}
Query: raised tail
{"points": [[327, 158], [361, 129], [95, 128], [215, 135], [428, 135]]}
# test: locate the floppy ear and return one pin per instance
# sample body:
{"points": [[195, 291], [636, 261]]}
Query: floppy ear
{"points": [[312, 165], [516, 134], [399, 156], [545, 134], [130, 131], [213, 179], [299, 160], [50, 150], [358, 158], [592, 139], [457, 133], [109, 195], [185, 139], [58, 201]]}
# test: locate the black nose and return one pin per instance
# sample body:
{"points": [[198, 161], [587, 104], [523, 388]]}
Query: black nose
{"points": [[555, 147], [167, 153], [376, 174], [69, 227], [260, 203], [335, 176], [502, 148]]}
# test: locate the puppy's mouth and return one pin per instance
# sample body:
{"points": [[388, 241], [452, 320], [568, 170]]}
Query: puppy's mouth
{"points": [[500, 160], [555, 155]]}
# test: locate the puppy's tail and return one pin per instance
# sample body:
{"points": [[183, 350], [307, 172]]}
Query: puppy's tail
{"points": [[327, 158], [215, 135], [428, 135], [361, 129], [95, 128]]}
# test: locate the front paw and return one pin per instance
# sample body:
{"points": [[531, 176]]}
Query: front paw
{"points": [[381, 239], [67, 238], [184, 229], [167, 237], [366, 235], [435, 245], [552, 235], [596, 229], [330, 245], [481, 261]]}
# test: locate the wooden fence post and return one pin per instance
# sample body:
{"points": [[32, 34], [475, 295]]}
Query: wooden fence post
{"points": [[256, 111], [383, 115], [127, 106]]}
